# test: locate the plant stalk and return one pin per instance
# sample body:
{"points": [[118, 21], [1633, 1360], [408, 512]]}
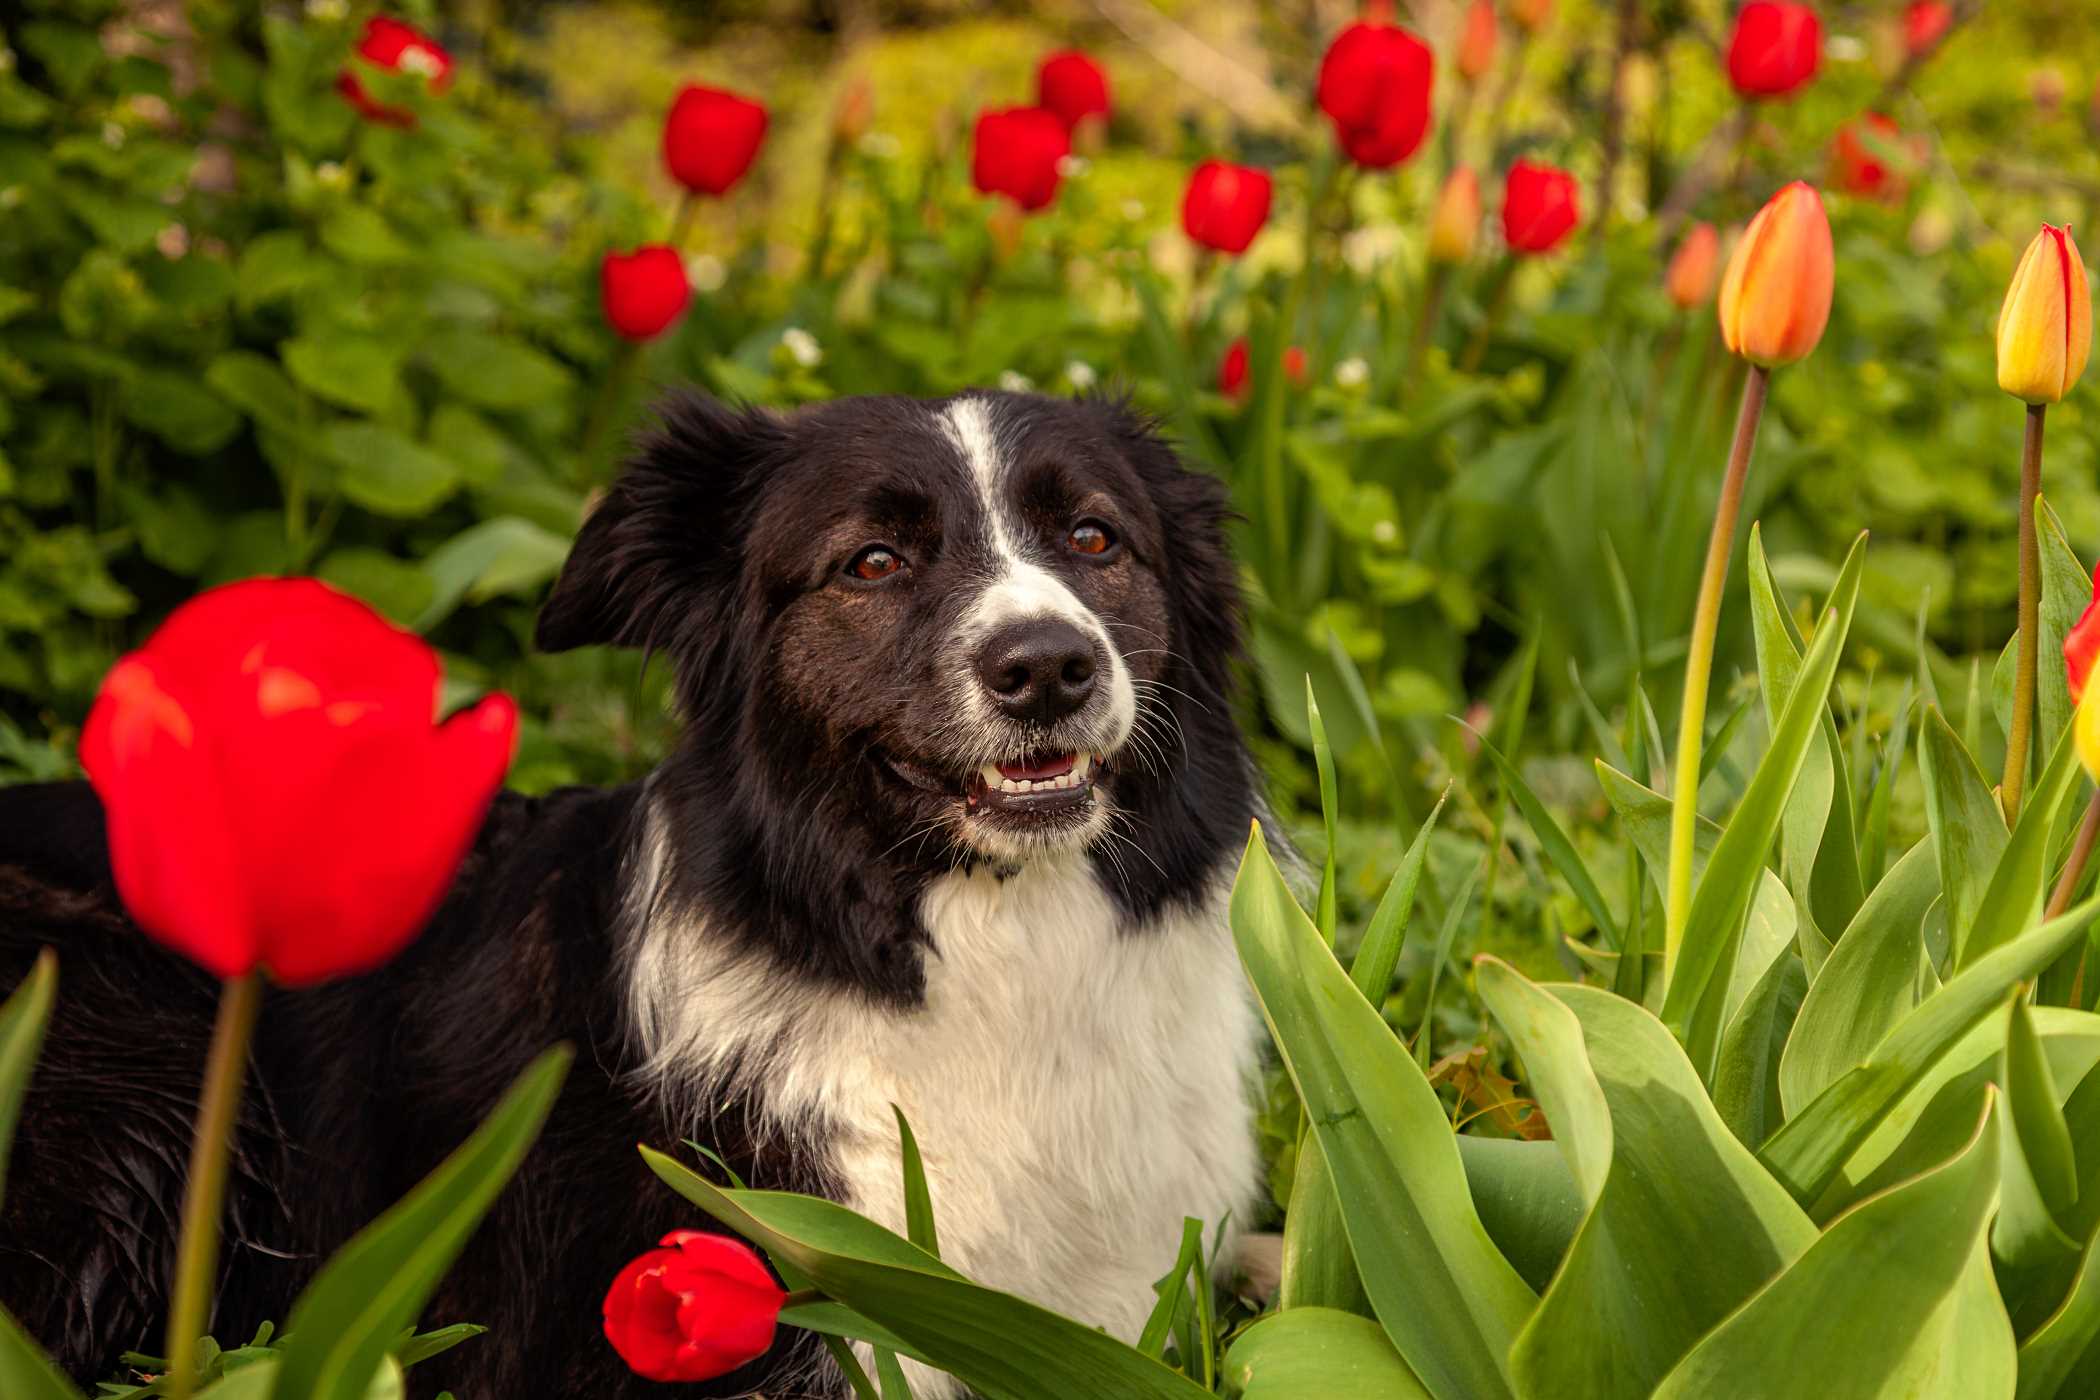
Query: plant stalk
{"points": [[1698, 667], [1490, 315], [2074, 868], [204, 1195], [1275, 388], [2017, 741]]}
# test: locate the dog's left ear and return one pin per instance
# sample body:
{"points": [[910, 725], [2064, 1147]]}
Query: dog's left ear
{"points": [[658, 553]]}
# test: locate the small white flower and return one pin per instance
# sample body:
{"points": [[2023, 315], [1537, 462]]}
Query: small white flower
{"points": [[1015, 382], [1386, 533], [1352, 373], [112, 135], [1072, 167], [802, 347], [1081, 374], [330, 175], [1133, 209], [327, 9], [173, 241], [880, 145], [422, 62], [706, 272], [1845, 48]]}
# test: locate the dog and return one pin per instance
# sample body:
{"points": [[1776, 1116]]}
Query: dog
{"points": [[951, 826]]}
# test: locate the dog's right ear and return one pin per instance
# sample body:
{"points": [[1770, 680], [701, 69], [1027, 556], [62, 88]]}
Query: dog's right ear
{"points": [[662, 543]]}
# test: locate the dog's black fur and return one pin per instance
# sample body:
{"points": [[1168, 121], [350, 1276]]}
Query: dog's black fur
{"points": [[705, 550]]}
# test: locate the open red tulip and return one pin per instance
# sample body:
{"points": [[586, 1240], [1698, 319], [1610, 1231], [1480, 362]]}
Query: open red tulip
{"points": [[1225, 205], [697, 1308], [1072, 86], [1375, 86], [711, 137], [1018, 152], [278, 791]]}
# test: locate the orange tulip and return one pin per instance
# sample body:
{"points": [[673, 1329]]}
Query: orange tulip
{"points": [[2045, 329], [1531, 15], [1690, 278], [1457, 219], [1476, 46], [1775, 296]]}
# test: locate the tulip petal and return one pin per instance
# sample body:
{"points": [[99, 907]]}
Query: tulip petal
{"points": [[172, 849], [2035, 323], [2078, 322]]}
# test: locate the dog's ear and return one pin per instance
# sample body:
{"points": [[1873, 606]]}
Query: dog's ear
{"points": [[663, 540]]}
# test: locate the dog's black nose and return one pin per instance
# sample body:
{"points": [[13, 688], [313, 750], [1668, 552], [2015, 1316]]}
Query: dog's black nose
{"points": [[1042, 669]]}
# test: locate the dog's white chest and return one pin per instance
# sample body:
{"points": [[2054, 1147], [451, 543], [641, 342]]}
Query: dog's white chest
{"points": [[1076, 1089]]}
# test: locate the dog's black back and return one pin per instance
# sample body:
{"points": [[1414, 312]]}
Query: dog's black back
{"points": [[357, 1089]]}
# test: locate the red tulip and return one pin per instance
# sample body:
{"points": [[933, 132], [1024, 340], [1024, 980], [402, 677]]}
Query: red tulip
{"points": [[1539, 207], [1072, 86], [1374, 86], [277, 790], [644, 291], [1925, 23], [698, 1308], [2082, 644], [1234, 371], [397, 48], [1859, 158], [1225, 206], [1017, 154], [711, 137], [1775, 48], [1476, 45]]}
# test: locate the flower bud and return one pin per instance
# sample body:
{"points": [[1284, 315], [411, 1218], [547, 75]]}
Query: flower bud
{"points": [[1540, 207], [643, 292], [711, 137], [1774, 49], [1775, 296], [1476, 44], [1690, 278], [1925, 23], [2082, 645], [1457, 219], [2045, 328], [1225, 205], [1531, 15], [696, 1308], [2085, 731]]}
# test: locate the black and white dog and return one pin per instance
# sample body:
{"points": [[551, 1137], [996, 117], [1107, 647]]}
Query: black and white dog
{"points": [[950, 827]]}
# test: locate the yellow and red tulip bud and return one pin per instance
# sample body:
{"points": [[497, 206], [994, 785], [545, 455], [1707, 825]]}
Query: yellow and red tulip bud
{"points": [[2082, 646], [2045, 329], [1690, 278], [1775, 296], [1456, 222], [2085, 731]]}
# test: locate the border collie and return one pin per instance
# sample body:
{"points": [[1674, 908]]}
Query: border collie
{"points": [[950, 827]]}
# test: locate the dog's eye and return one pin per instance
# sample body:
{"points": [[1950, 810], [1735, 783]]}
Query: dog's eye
{"points": [[1090, 537], [877, 561]]}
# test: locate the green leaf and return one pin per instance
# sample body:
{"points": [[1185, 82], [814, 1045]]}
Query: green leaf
{"points": [[1330, 804], [353, 1312], [179, 410], [1309, 1352], [254, 384], [1722, 900], [424, 1345], [1884, 1304], [918, 1201], [395, 587], [1808, 1153], [495, 558], [495, 371], [2060, 1358], [1450, 1301], [1869, 983], [358, 372], [1379, 953], [1659, 1168], [1527, 1200], [1002, 1346], [23, 1017], [1968, 825], [387, 473], [25, 1372], [1172, 1288], [2013, 899], [2066, 589], [1554, 843], [361, 234], [1319, 1268], [2037, 1259], [1746, 1073], [277, 264]]}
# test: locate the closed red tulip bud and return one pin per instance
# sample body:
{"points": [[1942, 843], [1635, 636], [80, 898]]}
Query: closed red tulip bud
{"points": [[1476, 45], [695, 1309], [1017, 153], [1690, 279], [1456, 223], [1531, 15], [1073, 87], [2045, 327], [1375, 83], [2082, 645], [1225, 206], [1539, 207], [1294, 366], [1775, 48], [644, 291], [398, 48], [1775, 296], [277, 790], [1859, 158], [1925, 23], [711, 137]]}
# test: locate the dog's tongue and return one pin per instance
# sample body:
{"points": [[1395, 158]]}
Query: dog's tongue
{"points": [[1038, 767]]}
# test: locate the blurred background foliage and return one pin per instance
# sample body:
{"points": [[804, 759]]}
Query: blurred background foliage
{"points": [[244, 331]]}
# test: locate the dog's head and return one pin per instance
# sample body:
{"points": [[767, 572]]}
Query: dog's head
{"points": [[993, 627]]}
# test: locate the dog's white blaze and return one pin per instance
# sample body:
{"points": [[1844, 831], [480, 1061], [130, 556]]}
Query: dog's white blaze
{"points": [[1020, 588], [1077, 1087]]}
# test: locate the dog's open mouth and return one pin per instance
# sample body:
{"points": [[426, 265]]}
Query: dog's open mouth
{"points": [[1037, 784]]}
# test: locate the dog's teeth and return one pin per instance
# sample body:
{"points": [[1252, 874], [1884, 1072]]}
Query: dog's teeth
{"points": [[1080, 764], [991, 775], [1010, 785]]}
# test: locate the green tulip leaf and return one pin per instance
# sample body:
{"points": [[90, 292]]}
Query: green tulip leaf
{"points": [[1448, 1299], [1746, 1073], [23, 1017], [2013, 899], [1527, 1200], [1379, 952], [25, 1372], [1319, 1270], [1317, 1351], [1557, 848], [1968, 825]]}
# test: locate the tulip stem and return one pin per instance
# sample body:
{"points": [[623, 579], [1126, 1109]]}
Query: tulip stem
{"points": [[1426, 318], [1698, 668], [1498, 294], [2074, 868], [204, 1195], [605, 409], [1272, 385], [2016, 741]]}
